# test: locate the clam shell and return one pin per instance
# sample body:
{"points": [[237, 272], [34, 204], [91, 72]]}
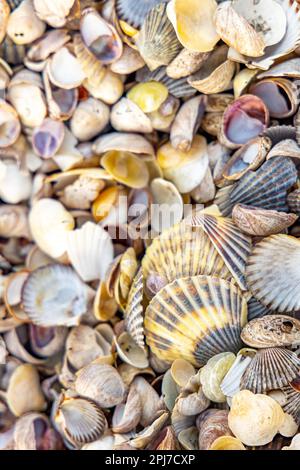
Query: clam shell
{"points": [[237, 32], [157, 41], [294, 201], [167, 197], [180, 313], [33, 432], [134, 320], [243, 120], [110, 89], [61, 103], [126, 417], [130, 352], [10, 125], [288, 43], [179, 88], [54, 295], [270, 369], [134, 13], [90, 251], [272, 331], [194, 26], [186, 63], [242, 80], [101, 383], [248, 157], [272, 273], [81, 419], [123, 142], [265, 188], [212, 375], [150, 401], [89, 119], [23, 25], [129, 62], [65, 70], [233, 246], [126, 168], [289, 68], [217, 74], [126, 116], [279, 95], [261, 222], [212, 424], [227, 443], [181, 252]]}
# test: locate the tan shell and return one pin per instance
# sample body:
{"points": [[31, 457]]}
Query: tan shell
{"points": [[24, 393], [212, 424], [24, 26], [54, 12], [261, 222], [101, 383], [129, 62], [126, 116], [272, 331], [34, 432], [236, 32], [4, 16], [186, 63], [89, 119], [126, 417], [217, 74], [64, 70], [150, 400], [255, 419], [93, 69]]}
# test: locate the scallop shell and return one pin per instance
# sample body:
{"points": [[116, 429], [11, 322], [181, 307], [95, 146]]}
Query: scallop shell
{"points": [[134, 320], [273, 274], [181, 320], [237, 32], [134, 13], [260, 222], [279, 133], [265, 188], [183, 251], [194, 24], [54, 295], [157, 41], [232, 245], [81, 419], [270, 369], [256, 309], [292, 405], [272, 331], [294, 201], [217, 74], [90, 251], [180, 88]]}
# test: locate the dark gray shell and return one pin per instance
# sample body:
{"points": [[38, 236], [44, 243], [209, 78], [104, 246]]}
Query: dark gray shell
{"points": [[294, 201], [134, 12], [292, 405], [256, 309], [270, 369], [265, 188]]}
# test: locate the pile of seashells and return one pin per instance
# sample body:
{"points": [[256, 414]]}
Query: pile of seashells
{"points": [[149, 232]]}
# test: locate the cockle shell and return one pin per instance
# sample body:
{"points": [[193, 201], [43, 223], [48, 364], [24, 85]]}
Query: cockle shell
{"points": [[54, 295], [81, 419], [178, 88], [165, 197], [165, 333], [122, 141], [272, 331], [149, 96], [126, 168], [244, 119], [109, 90], [294, 201], [216, 75], [194, 23], [237, 32], [157, 41], [261, 222], [291, 403], [61, 103], [129, 62], [130, 352], [126, 417], [23, 25], [90, 251], [134, 310], [101, 383], [54, 12], [255, 419], [46, 342], [272, 273], [265, 188], [270, 369], [15, 183], [24, 393], [49, 223]]}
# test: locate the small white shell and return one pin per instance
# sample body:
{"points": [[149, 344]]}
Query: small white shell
{"points": [[64, 70], [54, 12], [167, 208], [23, 25], [89, 119]]}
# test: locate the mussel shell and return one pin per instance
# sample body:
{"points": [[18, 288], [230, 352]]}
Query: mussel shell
{"points": [[180, 320], [270, 369]]}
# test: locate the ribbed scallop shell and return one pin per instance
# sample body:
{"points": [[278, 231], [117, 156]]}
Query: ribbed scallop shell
{"points": [[273, 273], [279, 133], [233, 246], [134, 12], [157, 41], [270, 369], [183, 251], [292, 405], [256, 309], [179, 88], [54, 295], [195, 318], [265, 188], [294, 201], [134, 320], [83, 420]]}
